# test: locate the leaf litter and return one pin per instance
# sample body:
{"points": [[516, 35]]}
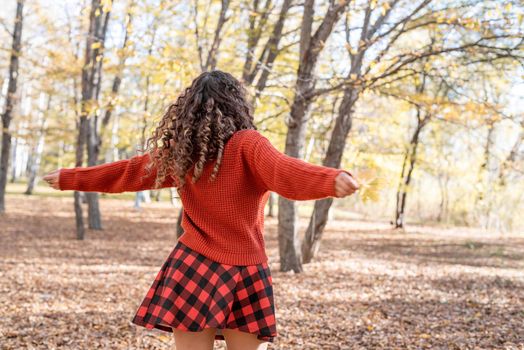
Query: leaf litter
{"points": [[369, 287]]}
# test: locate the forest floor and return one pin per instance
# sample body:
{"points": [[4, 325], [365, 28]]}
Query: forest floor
{"points": [[369, 287]]}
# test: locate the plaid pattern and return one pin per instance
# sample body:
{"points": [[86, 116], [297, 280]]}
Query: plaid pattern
{"points": [[192, 292]]}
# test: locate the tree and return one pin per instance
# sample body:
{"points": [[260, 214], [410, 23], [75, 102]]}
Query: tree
{"points": [[38, 143], [378, 58], [88, 130], [123, 55], [10, 100], [423, 117], [269, 53], [210, 62], [311, 45]]}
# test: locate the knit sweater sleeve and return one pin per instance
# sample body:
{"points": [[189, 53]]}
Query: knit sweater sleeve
{"points": [[127, 175], [290, 177]]}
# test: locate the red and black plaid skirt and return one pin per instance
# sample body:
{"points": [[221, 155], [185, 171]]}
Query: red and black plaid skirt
{"points": [[192, 292]]}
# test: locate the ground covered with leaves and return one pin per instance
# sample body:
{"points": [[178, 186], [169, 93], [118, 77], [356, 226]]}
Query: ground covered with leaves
{"points": [[370, 287]]}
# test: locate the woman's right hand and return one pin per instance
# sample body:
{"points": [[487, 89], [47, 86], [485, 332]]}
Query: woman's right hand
{"points": [[52, 179], [345, 185]]}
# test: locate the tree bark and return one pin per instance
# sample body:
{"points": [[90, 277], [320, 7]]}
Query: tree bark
{"points": [[94, 140], [253, 35], [85, 130], [14, 158], [271, 205], [337, 143], [272, 50], [117, 81], [483, 171], [38, 148], [512, 156], [408, 166], [269, 52], [444, 199], [179, 229], [212, 54], [310, 49], [143, 125], [10, 101]]}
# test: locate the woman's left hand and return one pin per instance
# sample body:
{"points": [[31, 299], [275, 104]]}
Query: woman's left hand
{"points": [[345, 185], [52, 179]]}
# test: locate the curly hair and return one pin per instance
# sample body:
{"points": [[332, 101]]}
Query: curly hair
{"points": [[195, 128]]}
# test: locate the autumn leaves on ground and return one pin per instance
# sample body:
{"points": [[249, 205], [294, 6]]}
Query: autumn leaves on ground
{"points": [[368, 288]]}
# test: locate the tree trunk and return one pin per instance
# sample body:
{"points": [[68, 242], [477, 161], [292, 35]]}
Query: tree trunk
{"points": [[117, 81], [410, 159], [484, 170], [287, 211], [272, 47], [179, 229], [94, 140], [268, 55], [143, 126], [211, 61], [14, 158], [337, 143], [80, 144], [310, 49], [444, 199], [271, 205], [38, 147], [253, 35], [86, 132], [10, 100]]}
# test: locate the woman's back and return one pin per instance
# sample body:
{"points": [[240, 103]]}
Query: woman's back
{"points": [[224, 219]]}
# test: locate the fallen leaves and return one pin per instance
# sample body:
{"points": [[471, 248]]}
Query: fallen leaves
{"points": [[369, 288]]}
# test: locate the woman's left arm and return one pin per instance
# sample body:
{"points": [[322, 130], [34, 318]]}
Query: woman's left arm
{"points": [[127, 175]]}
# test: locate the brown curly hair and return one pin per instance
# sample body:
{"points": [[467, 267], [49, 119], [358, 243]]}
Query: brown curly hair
{"points": [[196, 126]]}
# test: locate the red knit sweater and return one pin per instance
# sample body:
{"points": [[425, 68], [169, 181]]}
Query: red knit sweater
{"points": [[223, 220]]}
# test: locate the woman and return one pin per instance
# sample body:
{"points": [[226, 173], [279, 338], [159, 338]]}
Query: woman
{"points": [[216, 282]]}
